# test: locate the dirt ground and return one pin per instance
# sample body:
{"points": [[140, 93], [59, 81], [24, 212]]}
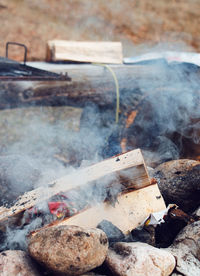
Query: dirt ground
{"points": [[139, 24]]}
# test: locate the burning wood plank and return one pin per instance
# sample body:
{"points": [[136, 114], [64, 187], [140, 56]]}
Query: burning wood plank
{"points": [[85, 51], [129, 169], [129, 211]]}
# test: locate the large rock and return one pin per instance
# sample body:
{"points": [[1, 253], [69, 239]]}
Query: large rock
{"points": [[186, 249], [16, 263], [16, 122], [179, 182], [69, 249], [126, 259]]}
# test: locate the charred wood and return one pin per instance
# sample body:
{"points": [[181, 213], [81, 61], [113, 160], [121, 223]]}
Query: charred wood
{"points": [[93, 83]]}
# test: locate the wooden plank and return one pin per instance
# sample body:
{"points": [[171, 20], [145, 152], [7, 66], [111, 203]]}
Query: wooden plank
{"points": [[129, 211], [128, 168], [84, 51]]}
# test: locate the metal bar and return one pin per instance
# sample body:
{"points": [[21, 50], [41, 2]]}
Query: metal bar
{"points": [[18, 44], [34, 78]]}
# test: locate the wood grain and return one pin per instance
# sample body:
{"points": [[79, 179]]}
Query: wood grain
{"points": [[84, 51]]}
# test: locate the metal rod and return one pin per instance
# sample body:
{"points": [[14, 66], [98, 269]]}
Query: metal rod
{"points": [[18, 44]]}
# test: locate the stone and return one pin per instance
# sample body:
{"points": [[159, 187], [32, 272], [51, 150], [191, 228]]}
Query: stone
{"points": [[15, 122], [16, 263], [145, 234], [179, 183], [69, 249], [113, 233], [136, 258], [186, 250], [196, 213], [92, 274]]}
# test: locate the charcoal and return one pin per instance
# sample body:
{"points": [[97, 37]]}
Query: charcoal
{"points": [[113, 233], [175, 221], [144, 234]]}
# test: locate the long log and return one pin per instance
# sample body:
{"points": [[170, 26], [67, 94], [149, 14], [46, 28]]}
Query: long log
{"points": [[94, 83], [89, 83]]}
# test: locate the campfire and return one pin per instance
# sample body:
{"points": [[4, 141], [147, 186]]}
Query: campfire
{"points": [[84, 193]]}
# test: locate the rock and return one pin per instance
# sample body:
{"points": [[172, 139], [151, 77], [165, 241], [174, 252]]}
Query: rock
{"points": [[69, 249], [15, 122], [16, 263], [92, 274], [179, 183], [137, 258], [145, 234], [113, 233], [197, 213], [186, 250]]}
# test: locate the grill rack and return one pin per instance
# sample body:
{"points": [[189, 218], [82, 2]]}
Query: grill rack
{"points": [[13, 70]]}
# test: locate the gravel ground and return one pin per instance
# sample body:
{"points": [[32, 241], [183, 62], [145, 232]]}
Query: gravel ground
{"points": [[138, 24]]}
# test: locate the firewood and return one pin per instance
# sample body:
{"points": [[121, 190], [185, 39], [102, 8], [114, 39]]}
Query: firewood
{"points": [[84, 51], [89, 83], [3, 209], [129, 211], [94, 83], [129, 169]]}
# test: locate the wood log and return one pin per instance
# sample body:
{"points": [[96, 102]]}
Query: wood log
{"points": [[84, 51], [93, 83], [128, 168], [89, 83]]}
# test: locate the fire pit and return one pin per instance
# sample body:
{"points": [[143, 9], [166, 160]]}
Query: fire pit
{"points": [[159, 113]]}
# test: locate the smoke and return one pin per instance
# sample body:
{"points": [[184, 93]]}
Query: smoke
{"points": [[168, 115], [16, 238], [41, 144]]}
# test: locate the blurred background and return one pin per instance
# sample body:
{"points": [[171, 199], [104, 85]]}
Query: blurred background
{"points": [[138, 24]]}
